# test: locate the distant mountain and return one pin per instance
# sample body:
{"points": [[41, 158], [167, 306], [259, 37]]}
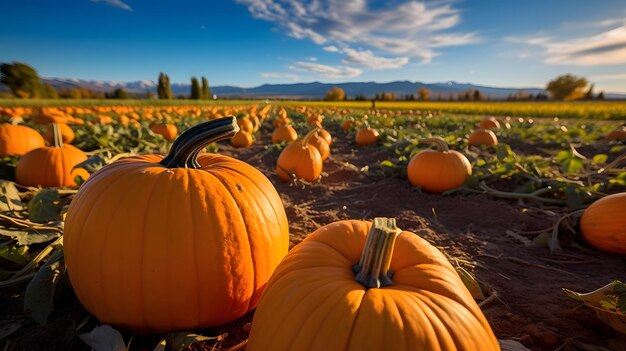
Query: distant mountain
{"points": [[314, 90]]}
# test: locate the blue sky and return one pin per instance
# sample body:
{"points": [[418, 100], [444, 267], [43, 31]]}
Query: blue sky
{"points": [[250, 42]]}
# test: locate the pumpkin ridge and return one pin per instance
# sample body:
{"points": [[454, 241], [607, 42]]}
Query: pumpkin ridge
{"points": [[189, 182]]}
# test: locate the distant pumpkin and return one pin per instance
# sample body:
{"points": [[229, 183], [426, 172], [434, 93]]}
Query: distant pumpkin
{"points": [[284, 132], [366, 136], [603, 224], [167, 131], [437, 171], [241, 139], [482, 136], [66, 132], [16, 140]]}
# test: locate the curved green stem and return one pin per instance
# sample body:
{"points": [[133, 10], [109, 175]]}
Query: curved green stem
{"points": [[185, 150], [373, 271]]}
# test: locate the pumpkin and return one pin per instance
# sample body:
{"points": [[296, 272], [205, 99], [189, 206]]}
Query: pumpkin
{"points": [[246, 125], [66, 133], [16, 140], [618, 134], [482, 136], [490, 123], [156, 244], [603, 224], [354, 285], [320, 144], [366, 136], [48, 116], [440, 170], [315, 119], [300, 160], [347, 125], [51, 166], [241, 139], [279, 121], [167, 131], [284, 132]]}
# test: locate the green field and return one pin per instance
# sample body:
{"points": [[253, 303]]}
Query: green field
{"points": [[615, 110]]}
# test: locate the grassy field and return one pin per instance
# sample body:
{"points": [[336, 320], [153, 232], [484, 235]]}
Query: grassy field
{"points": [[615, 110]]}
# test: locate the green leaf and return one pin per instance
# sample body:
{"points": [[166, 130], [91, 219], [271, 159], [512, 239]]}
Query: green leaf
{"points": [[40, 290], [617, 149], [30, 236], [599, 159], [570, 163], [387, 163], [503, 151], [16, 254], [104, 338], [10, 197], [44, 206], [92, 164]]}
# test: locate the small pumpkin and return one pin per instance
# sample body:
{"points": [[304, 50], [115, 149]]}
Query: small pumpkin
{"points": [[284, 132], [366, 136], [167, 131], [198, 255], [300, 159], [320, 144], [279, 121], [603, 224], [16, 140], [246, 125], [354, 285], [482, 136], [51, 166], [66, 133], [490, 123], [437, 171], [241, 139]]}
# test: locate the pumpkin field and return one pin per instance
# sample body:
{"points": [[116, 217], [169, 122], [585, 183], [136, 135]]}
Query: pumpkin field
{"points": [[313, 226]]}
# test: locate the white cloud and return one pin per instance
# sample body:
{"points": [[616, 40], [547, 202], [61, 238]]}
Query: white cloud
{"points": [[609, 77], [276, 75], [325, 70], [410, 29], [606, 48], [116, 3], [368, 59], [312, 58]]}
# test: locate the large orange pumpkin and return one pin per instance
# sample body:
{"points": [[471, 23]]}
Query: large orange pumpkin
{"points": [[284, 132], [440, 170], [345, 289], [66, 133], [300, 159], [16, 140], [51, 166], [157, 244], [603, 224], [366, 136], [482, 136]]}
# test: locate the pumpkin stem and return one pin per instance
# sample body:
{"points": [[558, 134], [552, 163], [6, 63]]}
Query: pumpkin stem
{"points": [[308, 136], [16, 120], [438, 142], [373, 268], [186, 148], [57, 137]]}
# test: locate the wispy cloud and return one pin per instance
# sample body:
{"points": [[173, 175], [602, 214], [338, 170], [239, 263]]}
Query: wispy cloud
{"points": [[410, 29], [605, 48], [326, 70], [368, 59], [277, 75], [116, 3], [609, 77]]}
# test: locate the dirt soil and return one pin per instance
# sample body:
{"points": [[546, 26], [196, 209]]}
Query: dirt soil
{"points": [[476, 231]]}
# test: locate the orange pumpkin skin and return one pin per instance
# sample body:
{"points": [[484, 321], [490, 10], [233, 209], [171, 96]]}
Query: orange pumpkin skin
{"points": [[66, 132], [482, 137], [303, 161], [198, 256], [246, 125], [438, 171], [603, 224], [16, 140], [326, 135], [167, 131], [366, 136], [320, 144], [314, 303], [347, 124], [284, 133], [490, 123], [241, 139], [51, 166]]}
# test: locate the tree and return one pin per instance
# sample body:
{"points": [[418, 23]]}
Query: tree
{"points": [[478, 96], [206, 91], [589, 93], [195, 89], [335, 94], [164, 90], [424, 94], [567, 87], [22, 79], [48, 91], [600, 96], [118, 93]]}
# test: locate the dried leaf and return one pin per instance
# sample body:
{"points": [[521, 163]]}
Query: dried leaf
{"points": [[30, 236], [104, 338], [606, 303], [512, 345], [10, 197], [44, 206], [181, 340], [15, 254], [471, 283]]}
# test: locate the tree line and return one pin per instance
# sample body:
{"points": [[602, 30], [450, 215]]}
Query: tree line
{"points": [[25, 83]]}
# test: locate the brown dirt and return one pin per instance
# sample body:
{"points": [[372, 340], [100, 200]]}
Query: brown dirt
{"points": [[472, 230]]}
